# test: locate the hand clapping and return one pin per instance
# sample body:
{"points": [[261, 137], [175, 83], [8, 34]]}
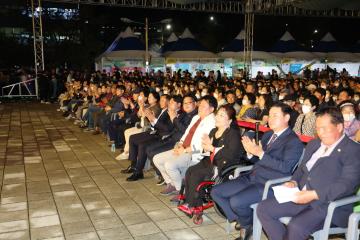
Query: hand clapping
{"points": [[150, 115], [251, 147]]}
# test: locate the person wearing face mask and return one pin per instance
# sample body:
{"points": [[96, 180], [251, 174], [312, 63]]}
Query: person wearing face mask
{"points": [[357, 98], [305, 123], [204, 92], [248, 110], [351, 123], [219, 95]]}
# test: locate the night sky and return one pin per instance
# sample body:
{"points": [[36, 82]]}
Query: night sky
{"points": [[215, 34], [99, 25]]}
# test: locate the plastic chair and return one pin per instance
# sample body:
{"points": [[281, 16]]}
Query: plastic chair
{"points": [[353, 231], [319, 235]]}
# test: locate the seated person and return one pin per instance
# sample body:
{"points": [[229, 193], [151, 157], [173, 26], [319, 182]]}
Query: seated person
{"points": [[351, 124], [305, 123], [248, 109], [225, 148], [329, 171], [124, 119], [152, 105], [161, 126], [173, 163], [181, 120], [276, 155], [231, 99], [264, 104], [219, 95]]}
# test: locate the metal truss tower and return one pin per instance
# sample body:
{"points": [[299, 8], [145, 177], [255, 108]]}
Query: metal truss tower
{"points": [[36, 11], [249, 36]]}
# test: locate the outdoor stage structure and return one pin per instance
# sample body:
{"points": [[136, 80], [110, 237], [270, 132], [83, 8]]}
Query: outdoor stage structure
{"points": [[249, 8]]}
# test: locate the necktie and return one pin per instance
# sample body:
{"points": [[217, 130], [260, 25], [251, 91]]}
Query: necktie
{"points": [[272, 140], [189, 136]]}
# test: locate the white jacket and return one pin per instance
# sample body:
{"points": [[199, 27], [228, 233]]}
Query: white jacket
{"points": [[205, 126]]}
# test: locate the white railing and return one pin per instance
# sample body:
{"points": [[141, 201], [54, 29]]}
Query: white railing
{"points": [[22, 92]]}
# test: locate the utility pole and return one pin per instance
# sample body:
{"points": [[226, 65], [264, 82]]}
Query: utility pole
{"points": [[146, 45], [249, 36], [36, 11]]}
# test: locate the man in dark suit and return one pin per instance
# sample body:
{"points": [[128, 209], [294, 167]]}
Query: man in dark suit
{"points": [[275, 156], [160, 127], [329, 171], [181, 121]]}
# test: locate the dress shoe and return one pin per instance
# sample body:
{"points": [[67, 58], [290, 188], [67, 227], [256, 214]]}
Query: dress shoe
{"points": [[96, 132], [135, 176], [129, 169], [245, 233], [161, 181]]}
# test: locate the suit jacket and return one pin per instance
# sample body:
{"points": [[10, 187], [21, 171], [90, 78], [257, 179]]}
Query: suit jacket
{"points": [[204, 127], [333, 177], [232, 151], [181, 122], [164, 126], [279, 159]]}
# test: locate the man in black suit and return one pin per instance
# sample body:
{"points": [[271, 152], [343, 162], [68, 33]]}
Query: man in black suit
{"points": [[180, 120], [160, 127], [329, 171], [276, 155]]}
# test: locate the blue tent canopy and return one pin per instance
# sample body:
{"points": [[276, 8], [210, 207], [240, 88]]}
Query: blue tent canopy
{"points": [[287, 44], [188, 47], [187, 42], [169, 43], [129, 43], [328, 44]]}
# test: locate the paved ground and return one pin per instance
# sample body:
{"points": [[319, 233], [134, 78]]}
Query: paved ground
{"points": [[60, 183]]}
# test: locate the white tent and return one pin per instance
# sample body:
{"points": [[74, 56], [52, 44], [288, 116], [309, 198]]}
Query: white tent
{"points": [[126, 45], [235, 49]]}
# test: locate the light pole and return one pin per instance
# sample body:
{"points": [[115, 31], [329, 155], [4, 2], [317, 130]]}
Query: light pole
{"points": [[164, 21]]}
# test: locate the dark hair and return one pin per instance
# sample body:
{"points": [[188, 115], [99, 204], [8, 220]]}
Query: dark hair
{"points": [[220, 90], [268, 100], [210, 100], [348, 91], [251, 97], [230, 111], [155, 95], [321, 91], [285, 109], [177, 99], [334, 113], [313, 100], [146, 92], [190, 95], [230, 92], [167, 96]]}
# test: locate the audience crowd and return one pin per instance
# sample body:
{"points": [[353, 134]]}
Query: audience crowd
{"points": [[185, 127]]}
